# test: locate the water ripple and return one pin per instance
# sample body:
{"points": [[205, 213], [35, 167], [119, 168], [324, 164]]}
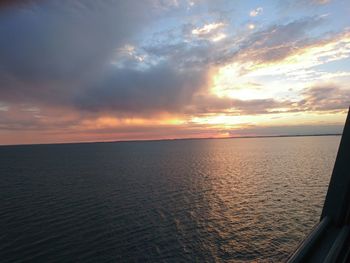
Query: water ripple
{"points": [[241, 200]]}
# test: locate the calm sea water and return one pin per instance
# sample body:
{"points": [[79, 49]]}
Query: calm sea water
{"points": [[225, 200]]}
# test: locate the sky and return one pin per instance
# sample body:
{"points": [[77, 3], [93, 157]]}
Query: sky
{"points": [[86, 70]]}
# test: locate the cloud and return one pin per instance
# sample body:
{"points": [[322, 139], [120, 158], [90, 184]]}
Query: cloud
{"points": [[277, 41], [70, 65], [211, 32], [286, 51], [251, 26], [292, 5], [159, 88], [58, 48], [206, 29], [314, 2], [60, 44], [268, 45], [59, 55], [66, 50], [14, 3], [206, 104], [255, 12], [325, 97], [169, 84]]}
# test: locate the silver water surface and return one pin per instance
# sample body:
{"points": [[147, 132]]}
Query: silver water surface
{"points": [[227, 200]]}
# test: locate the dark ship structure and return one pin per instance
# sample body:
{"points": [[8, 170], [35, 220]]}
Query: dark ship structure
{"points": [[329, 241]]}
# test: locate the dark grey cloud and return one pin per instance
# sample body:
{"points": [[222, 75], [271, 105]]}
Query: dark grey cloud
{"points": [[15, 3], [59, 44], [159, 88], [59, 52]]}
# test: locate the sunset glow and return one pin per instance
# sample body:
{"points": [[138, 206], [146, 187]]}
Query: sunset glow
{"points": [[109, 71]]}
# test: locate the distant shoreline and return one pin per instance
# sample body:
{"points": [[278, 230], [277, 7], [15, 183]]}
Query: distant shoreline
{"points": [[179, 139]]}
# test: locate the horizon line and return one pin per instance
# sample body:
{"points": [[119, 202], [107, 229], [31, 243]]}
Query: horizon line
{"points": [[178, 139]]}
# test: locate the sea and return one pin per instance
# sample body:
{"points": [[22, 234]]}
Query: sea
{"points": [[204, 200]]}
